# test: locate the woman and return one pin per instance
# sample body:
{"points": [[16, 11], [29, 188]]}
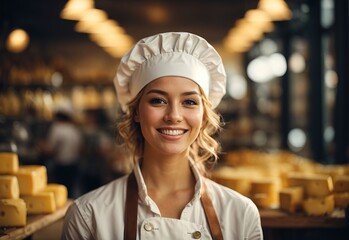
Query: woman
{"points": [[168, 85]]}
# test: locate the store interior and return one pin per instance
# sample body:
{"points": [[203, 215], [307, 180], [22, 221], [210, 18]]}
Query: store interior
{"points": [[286, 63]]}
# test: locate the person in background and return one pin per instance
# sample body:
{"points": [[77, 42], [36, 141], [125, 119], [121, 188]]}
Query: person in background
{"points": [[98, 146], [168, 86], [62, 147]]}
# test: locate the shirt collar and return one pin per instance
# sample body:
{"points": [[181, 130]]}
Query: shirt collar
{"points": [[142, 188]]}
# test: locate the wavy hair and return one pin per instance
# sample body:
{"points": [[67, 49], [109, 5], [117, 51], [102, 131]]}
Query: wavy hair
{"points": [[203, 151]]}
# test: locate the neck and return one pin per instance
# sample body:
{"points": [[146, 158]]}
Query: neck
{"points": [[167, 172]]}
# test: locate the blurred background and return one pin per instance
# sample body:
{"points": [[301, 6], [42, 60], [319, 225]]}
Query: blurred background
{"points": [[287, 71], [286, 63]]}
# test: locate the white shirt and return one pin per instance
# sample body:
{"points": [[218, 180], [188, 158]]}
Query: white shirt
{"points": [[100, 214], [66, 140]]}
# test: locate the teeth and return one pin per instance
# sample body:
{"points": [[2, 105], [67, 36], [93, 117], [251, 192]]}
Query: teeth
{"points": [[172, 132]]}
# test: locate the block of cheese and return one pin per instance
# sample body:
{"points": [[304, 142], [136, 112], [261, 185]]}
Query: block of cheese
{"points": [[296, 179], [13, 212], [315, 185], [263, 200], [291, 199], [341, 200], [8, 163], [234, 179], [39, 203], [31, 179], [341, 184], [60, 193], [318, 186], [266, 186], [319, 206], [9, 186]]}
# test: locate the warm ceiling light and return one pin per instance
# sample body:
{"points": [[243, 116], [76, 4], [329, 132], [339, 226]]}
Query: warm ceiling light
{"points": [[248, 30], [237, 44], [94, 15], [91, 20], [108, 26], [116, 52], [112, 40], [260, 18], [75, 9], [17, 41], [276, 9]]}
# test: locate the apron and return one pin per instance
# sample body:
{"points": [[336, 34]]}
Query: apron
{"points": [[150, 226]]}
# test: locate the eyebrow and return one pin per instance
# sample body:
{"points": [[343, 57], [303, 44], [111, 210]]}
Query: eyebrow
{"points": [[166, 94]]}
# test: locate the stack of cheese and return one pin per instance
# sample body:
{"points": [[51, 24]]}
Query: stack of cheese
{"points": [[341, 191], [24, 190], [312, 193], [285, 180]]}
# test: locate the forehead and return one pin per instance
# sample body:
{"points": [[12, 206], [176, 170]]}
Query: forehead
{"points": [[173, 83]]}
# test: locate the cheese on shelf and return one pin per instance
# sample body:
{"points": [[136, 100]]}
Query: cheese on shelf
{"points": [[8, 163], [31, 179], [318, 186], [319, 206], [60, 193], [297, 179], [263, 200], [39, 203], [341, 184], [291, 199], [13, 212], [341, 199], [236, 179], [9, 187], [265, 192], [315, 185]]}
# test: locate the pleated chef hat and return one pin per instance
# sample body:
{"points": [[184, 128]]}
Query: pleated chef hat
{"points": [[170, 54]]}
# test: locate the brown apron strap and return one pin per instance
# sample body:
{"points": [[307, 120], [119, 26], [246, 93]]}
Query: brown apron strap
{"points": [[211, 215], [131, 209]]}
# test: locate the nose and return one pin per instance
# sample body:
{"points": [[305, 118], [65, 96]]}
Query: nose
{"points": [[173, 114]]}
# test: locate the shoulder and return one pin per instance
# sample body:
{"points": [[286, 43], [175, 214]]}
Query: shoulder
{"points": [[99, 205], [224, 197], [105, 194]]}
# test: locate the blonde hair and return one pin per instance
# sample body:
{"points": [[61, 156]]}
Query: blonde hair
{"points": [[203, 151]]}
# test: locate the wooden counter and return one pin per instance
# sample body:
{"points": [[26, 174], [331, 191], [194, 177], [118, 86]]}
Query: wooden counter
{"points": [[275, 218], [34, 223]]}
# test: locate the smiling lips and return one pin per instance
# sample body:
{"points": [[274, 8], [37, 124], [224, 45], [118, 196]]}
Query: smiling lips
{"points": [[172, 132]]}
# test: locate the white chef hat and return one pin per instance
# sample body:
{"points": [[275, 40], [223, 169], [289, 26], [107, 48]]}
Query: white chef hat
{"points": [[171, 54]]}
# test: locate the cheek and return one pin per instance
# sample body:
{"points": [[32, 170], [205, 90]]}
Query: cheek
{"points": [[196, 119], [149, 115]]}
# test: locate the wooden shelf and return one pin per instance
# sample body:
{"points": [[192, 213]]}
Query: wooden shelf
{"points": [[275, 218], [34, 223]]}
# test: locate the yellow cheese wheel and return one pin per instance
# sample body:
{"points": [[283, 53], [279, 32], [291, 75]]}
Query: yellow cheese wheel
{"points": [[42, 202], [9, 187], [13, 212], [319, 206], [60, 193], [8, 163], [315, 185], [318, 186], [31, 179]]}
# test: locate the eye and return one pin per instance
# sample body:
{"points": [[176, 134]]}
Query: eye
{"points": [[157, 101], [190, 102]]}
